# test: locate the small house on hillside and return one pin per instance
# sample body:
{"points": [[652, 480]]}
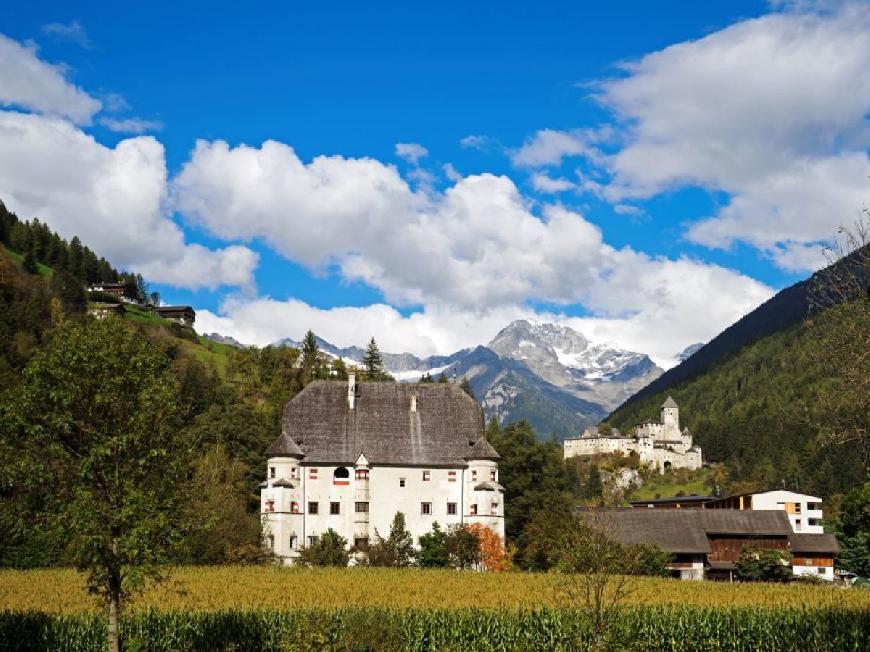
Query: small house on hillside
{"points": [[122, 291], [181, 314], [103, 310]]}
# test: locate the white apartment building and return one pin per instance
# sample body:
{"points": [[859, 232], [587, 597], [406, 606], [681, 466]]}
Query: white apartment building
{"points": [[351, 455], [804, 511]]}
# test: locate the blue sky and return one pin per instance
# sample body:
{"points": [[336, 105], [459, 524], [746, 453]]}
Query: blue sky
{"points": [[646, 172]]}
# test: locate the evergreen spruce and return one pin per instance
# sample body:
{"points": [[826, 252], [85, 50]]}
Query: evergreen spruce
{"points": [[29, 263], [373, 363], [310, 356]]}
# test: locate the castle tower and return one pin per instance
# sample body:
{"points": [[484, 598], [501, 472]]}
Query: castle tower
{"points": [[671, 417], [281, 498], [484, 494]]}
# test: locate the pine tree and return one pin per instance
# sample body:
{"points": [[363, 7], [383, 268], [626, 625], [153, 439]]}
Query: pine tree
{"points": [[466, 387], [141, 289], [373, 363], [310, 357], [594, 488], [29, 263]]}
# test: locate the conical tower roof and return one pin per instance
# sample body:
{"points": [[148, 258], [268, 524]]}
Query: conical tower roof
{"points": [[482, 450], [284, 446]]}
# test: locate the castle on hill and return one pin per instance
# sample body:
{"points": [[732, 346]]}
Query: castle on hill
{"points": [[659, 444]]}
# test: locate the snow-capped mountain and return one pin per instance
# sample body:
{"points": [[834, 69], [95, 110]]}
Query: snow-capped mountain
{"points": [[548, 374], [689, 351]]}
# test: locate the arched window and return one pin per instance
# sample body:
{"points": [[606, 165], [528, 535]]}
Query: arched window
{"points": [[341, 476]]}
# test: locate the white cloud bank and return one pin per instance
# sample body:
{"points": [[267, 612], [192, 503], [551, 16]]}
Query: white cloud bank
{"points": [[29, 83], [112, 198], [473, 256], [773, 111]]}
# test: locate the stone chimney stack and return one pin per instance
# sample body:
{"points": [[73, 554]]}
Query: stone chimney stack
{"points": [[351, 390], [413, 402]]}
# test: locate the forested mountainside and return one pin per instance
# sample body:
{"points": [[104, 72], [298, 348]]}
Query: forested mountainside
{"points": [[229, 401], [779, 410], [787, 307]]}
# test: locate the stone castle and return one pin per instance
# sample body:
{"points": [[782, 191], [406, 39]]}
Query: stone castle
{"points": [[659, 444]]}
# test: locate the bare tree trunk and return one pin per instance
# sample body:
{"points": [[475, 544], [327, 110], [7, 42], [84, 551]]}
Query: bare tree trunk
{"points": [[112, 640]]}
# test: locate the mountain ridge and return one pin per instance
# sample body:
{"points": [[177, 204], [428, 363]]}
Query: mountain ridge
{"points": [[548, 374]]}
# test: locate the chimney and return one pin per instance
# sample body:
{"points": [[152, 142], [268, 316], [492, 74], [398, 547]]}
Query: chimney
{"points": [[413, 402], [351, 390]]}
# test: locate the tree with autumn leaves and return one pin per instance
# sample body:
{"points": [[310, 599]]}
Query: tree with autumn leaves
{"points": [[493, 554]]}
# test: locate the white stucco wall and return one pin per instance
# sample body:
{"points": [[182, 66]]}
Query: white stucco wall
{"points": [[385, 497], [808, 521]]}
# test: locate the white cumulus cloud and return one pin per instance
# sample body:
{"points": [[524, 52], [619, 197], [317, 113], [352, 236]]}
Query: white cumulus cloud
{"points": [[111, 197], [411, 152], [771, 111], [29, 83], [476, 244]]}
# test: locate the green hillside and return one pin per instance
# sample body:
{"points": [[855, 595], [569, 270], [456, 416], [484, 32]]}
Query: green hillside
{"points": [[752, 410]]}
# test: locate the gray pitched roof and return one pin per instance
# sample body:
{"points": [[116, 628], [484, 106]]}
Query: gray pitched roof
{"points": [[482, 450], [810, 543], [284, 446], [447, 423], [686, 530], [488, 485], [670, 403]]}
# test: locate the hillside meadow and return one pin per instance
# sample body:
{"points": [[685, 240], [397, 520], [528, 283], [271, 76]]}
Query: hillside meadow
{"points": [[252, 587]]}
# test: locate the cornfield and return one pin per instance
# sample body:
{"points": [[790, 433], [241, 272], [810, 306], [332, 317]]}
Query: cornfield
{"points": [[216, 588], [258, 608], [637, 628]]}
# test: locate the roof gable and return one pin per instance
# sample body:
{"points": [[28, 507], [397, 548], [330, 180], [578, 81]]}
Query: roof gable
{"points": [[382, 424]]}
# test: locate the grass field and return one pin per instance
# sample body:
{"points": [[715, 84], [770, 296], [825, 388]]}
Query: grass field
{"points": [[234, 587], [18, 259], [667, 486]]}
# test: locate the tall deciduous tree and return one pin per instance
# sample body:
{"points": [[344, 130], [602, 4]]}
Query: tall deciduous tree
{"points": [[94, 422]]}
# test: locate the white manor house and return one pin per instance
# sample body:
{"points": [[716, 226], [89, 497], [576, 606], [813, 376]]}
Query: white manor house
{"points": [[659, 444], [351, 455]]}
